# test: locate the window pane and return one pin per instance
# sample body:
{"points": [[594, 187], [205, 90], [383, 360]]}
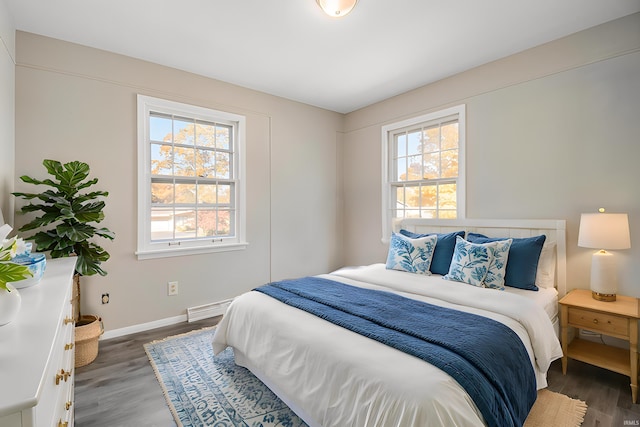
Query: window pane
{"points": [[415, 168], [447, 196], [160, 128], [161, 224], [450, 136], [415, 140], [224, 223], [185, 224], [401, 145], [161, 159], [184, 161], [207, 220], [184, 131], [401, 169], [400, 203], [429, 199], [412, 197], [432, 166], [224, 194], [450, 164], [431, 139], [205, 163], [207, 193], [412, 213], [186, 193], [206, 135], [447, 214], [428, 213], [161, 193], [223, 137], [222, 165]]}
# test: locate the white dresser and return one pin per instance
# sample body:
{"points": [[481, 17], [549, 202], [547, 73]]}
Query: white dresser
{"points": [[36, 354]]}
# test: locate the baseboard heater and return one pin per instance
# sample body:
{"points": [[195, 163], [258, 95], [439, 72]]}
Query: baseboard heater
{"points": [[207, 310]]}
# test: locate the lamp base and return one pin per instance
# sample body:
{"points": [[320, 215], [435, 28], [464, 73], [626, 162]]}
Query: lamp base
{"points": [[603, 297]]}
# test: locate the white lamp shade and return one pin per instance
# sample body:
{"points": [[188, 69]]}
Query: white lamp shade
{"points": [[604, 231], [337, 8]]}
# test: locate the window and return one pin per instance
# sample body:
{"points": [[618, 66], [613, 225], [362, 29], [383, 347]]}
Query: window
{"points": [[423, 167], [190, 179]]}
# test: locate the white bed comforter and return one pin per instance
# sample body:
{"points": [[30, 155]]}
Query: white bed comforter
{"points": [[333, 377]]}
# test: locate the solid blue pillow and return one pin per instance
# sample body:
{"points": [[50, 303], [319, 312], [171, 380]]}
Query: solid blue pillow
{"points": [[522, 263], [444, 249]]}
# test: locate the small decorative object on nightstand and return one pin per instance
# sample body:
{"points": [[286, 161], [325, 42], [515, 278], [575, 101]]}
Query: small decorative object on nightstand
{"points": [[617, 319]]}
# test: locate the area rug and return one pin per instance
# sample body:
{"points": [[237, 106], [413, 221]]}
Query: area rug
{"points": [[203, 390]]}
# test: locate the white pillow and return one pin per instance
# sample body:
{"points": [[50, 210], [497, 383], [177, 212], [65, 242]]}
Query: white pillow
{"points": [[546, 272], [412, 255]]}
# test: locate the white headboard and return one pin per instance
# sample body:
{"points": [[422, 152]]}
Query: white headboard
{"points": [[554, 229]]}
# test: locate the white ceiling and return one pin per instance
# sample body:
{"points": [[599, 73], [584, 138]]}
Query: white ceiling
{"points": [[291, 49]]}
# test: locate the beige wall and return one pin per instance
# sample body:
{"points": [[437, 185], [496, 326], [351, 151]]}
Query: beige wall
{"points": [[79, 103], [551, 132], [7, 112]]}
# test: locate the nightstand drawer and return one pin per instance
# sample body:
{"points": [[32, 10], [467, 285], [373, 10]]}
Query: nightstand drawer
{"points": [[600, 322]]}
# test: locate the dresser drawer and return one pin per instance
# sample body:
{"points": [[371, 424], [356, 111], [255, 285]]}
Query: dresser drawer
{"points": [[599, 322]]}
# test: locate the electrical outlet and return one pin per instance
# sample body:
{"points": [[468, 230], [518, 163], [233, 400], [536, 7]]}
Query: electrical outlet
{"points": [[172, 288], [105, 298]]}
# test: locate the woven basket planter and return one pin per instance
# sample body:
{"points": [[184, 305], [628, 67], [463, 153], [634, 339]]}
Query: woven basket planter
{"points": [[88, 331]]}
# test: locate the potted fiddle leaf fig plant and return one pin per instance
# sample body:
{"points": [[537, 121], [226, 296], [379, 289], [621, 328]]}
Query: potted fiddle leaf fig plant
{"points": [[66, 228]]}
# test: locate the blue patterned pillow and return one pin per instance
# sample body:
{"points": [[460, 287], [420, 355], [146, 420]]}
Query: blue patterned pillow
{"points": [[470, 262], [444, 249], [412, 255], [498, 267], [524, 255]]}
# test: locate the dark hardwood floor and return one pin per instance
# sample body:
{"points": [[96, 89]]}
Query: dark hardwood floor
{"points": [[119, 389]]}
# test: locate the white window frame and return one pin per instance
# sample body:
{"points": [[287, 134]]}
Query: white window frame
{"points": [[146, 248], [388, 167]]}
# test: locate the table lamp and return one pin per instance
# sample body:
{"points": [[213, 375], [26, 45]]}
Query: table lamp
{"points": [[604, 231]]}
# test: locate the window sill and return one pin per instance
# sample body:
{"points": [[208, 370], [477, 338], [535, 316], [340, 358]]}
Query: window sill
{"points": [[173, 252]]}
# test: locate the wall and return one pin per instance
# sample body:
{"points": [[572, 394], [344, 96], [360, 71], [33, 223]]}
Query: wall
{"points": [[552, 132], [7, 112], [79, 103]]}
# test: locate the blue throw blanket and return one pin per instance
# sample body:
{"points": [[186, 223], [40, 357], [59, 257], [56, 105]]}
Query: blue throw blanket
{"points": [[485, 357]]}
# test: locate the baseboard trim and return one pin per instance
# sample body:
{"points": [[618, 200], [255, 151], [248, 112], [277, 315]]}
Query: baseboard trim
{"points": [[143, 327], [193, 313], [207, 310]]}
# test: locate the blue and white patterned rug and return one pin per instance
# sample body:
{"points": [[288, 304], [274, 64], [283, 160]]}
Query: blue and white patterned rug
{"points": [[206, 390]]}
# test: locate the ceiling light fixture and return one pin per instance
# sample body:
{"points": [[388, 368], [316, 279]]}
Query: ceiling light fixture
{"points": [[337, 8]]}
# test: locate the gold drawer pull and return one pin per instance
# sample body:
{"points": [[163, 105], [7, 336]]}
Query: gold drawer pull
{"points": [[63, 375], [68, 320], [68, 405], [68, 346], [595, 321], [63, 424]]}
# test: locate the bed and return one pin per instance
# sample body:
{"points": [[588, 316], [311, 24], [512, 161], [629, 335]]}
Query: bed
{"points": [[332, 376]]}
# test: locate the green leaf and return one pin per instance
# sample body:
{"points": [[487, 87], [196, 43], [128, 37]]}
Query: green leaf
{"points": [[76, 232], [106, 233], [12, 272], [45, 240], [41, 221], [54, 167]]}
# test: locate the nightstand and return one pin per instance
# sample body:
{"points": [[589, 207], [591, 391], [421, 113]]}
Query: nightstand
{"points": [[616, 318]]}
